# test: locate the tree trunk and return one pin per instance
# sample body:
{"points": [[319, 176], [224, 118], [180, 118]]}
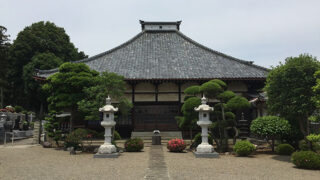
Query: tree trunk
{"points": [[272, 145], [308, 131], [304, 125], [72, 114], [225, 146], [235, 136], [191, 137]]}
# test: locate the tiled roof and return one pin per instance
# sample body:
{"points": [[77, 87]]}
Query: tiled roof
{"points": [[168, 55]]}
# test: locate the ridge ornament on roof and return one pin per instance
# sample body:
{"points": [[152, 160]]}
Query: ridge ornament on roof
{"points": [[160, 26]]}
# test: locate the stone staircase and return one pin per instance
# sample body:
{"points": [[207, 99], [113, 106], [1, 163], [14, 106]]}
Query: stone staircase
{"points": [[36, 129], [165, 135]]}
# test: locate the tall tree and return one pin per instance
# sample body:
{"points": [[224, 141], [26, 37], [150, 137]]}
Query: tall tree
{"points": [[66, 88], [289, 90], [190, 116], [40, 37], [4, 48], [222, 116], [107, 84], [35, 95]]}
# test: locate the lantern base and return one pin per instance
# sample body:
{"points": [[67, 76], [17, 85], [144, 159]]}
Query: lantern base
{"points": [[107, 149], [112, 155], [205, 148], [206, 155]]}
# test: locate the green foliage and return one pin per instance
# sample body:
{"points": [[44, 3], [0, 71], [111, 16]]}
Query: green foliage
{"points": [[190, 116], [222, 84], [80, 132], [106, 84], [214, 89], [52, 127], [238, 102], [190, 104], [192, 90], [314, 118], [40, 37], [230, 115], [65, 88], [243, 148], [303, 146], [289, 89], [18, 109], [134, 145], [226, 96], [306, 160], [198, 139], [116, 136], [270, 127], [73, 140], [211, 89], [187, 97], [42, 61], [4, 61], [284, 149], [313, 137]]}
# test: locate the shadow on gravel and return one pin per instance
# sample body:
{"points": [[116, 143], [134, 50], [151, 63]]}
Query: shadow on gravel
{"points": [[282, 158]]}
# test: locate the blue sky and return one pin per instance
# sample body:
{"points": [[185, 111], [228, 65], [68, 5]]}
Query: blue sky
{"points": [[265, 32]]}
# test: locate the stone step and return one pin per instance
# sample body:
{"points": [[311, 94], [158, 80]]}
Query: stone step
{"points": [[165, 135], [122, 142]]}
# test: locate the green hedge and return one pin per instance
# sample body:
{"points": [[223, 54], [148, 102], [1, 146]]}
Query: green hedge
{"points": [[134, 145], [306, 159], [243, 148], [284, 149]]}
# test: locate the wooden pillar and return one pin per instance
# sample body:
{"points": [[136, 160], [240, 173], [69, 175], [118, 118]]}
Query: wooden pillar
{"points": [[132, 110], [179, 97], [156, 91]]}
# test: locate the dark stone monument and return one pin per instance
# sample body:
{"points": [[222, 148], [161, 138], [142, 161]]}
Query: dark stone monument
{"points": [[156, 138]]}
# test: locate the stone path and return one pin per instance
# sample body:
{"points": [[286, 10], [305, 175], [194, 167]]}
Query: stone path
{"points": [[157, 166]]}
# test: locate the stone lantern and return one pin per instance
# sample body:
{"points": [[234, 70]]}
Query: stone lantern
{"points": [[204, 149], [107, 150], [3, 118]]}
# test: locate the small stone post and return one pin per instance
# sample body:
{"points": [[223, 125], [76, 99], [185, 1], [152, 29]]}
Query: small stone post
{"points": [[107, 150], [204, 150]]}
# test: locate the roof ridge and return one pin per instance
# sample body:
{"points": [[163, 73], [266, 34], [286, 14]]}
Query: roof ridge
{"points": [[98, 55], [250, 63]]}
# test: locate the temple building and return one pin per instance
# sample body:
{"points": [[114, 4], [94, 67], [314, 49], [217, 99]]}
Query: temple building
{"points": [[159, 63]]}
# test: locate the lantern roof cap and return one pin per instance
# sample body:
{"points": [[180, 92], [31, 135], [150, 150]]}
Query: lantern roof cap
{"points": [[203, 107], [108, 107]]}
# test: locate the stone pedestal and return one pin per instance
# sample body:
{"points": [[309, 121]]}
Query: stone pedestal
{"points": [[107, 150]]}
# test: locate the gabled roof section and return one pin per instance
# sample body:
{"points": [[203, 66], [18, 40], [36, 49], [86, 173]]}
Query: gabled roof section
{"points": [[168, 54]]}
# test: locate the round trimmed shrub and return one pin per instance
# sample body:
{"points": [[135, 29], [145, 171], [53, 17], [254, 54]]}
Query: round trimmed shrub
{"points": [[198, 139], [243, 148], [134, 145], [72, 140], [116, 136], [303, 146], [306, 159], [284, 149], [176, 145]]}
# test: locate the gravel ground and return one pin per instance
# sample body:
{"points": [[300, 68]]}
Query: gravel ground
{"points": [[34, 162], [38, 163], [273, 167]]}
